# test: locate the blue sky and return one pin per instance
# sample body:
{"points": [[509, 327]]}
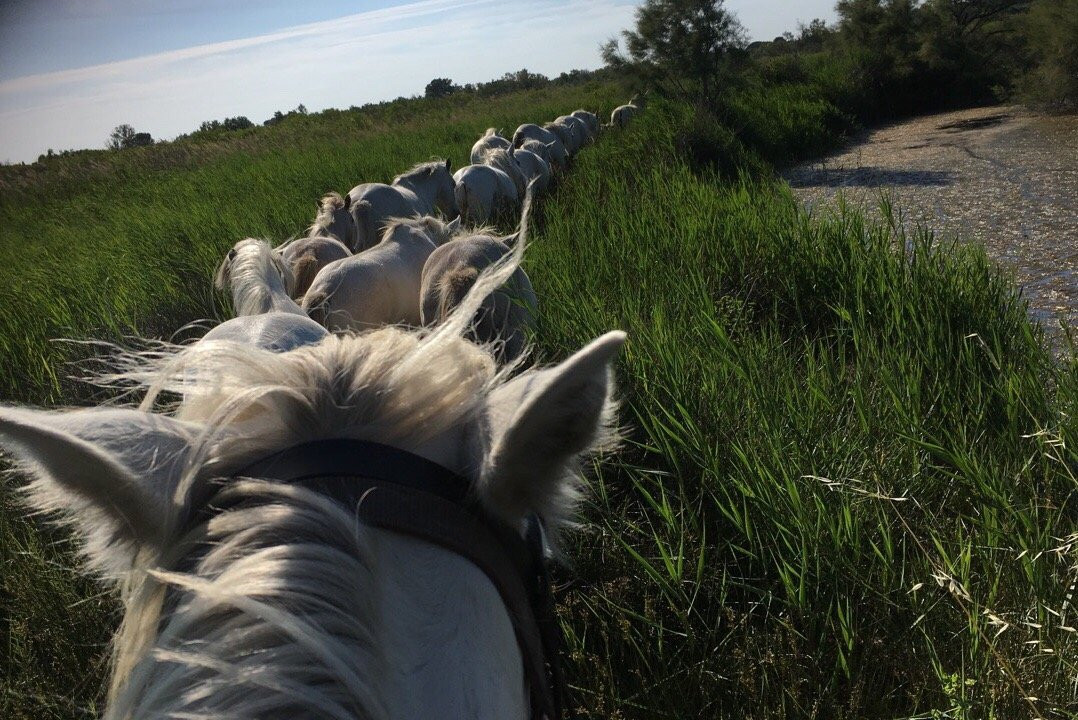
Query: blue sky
{"points": [[71, 70]]}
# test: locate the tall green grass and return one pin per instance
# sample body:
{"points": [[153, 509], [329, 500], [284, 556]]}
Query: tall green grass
{"points": [[847, 484], [103, 245]]}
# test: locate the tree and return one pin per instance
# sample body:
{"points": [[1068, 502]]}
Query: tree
{"points": [[439, 88], [681, 47], [124, 136], [121, 137], [240, 122]]}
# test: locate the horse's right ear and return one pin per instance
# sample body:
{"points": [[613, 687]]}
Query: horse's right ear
{"points": [[111, 472], [347, 200], [542, 422], [449, 165]]}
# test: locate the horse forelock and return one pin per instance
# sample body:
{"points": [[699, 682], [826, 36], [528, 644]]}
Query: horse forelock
{"points": [[274, 618]]}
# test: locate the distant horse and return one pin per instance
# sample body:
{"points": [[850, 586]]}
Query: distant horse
{"points": [[306, 256], [532, 159], [268, 318], [484, 193], [278, 540], [379, 286], [491, 140], [508, 314], [590, 119], [358, 219], [572, 131], [559, 156], [622, 114], [505, 160], [334, 220]]}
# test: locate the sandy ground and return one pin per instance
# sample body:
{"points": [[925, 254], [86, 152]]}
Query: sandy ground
{"points": [[1000, 176]]}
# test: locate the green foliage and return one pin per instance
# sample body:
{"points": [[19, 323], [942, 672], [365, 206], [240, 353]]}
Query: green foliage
{"points": [[1051, 32], [124, 136], [847, 446], [682, 47], [849, 477], [439, 88]]}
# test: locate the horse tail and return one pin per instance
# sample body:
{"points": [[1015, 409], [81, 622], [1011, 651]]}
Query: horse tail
{"points": [[366, 229], [461, 194], [315, 306], [304, 271], [453, 287]]}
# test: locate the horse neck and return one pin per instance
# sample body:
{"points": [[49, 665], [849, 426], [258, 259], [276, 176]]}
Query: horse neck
{"points": [[257, 286], [425, 188], [338, 225], [302, 614]]}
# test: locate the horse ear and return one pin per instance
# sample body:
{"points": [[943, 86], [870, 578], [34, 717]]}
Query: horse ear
{"points": [[449, 165], [347, 200], [453, 226], [111, 472], [544, 421]]}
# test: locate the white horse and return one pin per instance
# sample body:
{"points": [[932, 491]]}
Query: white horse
{"points": [[507, 315], [559, 156], [304, 257], [258, 278], [421, 190], [529, 157], [359, 218], [483, 193], [334, 220], [248, 596], [379, 286], [574, 132], [504, 159], [622, 114], [491, 140], [590, 119], [268, 318]]}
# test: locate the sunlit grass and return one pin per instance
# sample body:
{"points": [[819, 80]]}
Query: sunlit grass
{"points": [[847, 486]]}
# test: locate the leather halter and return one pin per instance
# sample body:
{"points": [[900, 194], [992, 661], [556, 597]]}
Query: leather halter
{"points": [[395, 490]]}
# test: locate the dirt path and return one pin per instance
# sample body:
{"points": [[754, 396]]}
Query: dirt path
{"points": [[1000, 176]]}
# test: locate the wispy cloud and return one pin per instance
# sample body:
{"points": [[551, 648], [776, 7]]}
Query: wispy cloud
{"points": [[336, 63]]}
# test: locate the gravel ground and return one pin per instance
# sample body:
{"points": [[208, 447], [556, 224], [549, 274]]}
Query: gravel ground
{"points": [[1000, 176]]}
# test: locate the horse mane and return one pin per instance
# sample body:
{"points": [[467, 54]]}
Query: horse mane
{"points": [[437, 230], [330, 202], [251, 268], [420, 169], [499, 158]]}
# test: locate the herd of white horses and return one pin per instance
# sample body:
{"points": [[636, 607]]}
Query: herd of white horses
{"points": [[259, 594]]}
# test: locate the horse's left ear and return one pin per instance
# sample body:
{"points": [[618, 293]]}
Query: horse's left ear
{"points": [[542, 423], [347, 200], [110, 472], [453, 226], [448, 164]]}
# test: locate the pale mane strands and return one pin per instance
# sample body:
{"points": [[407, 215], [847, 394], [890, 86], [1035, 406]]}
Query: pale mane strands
{"points": [[274, 622], [259, 279], [418, 170], [501, 159], [326, 206]]}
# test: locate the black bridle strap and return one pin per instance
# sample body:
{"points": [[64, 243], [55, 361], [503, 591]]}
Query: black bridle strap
{"points": [[351, 458], [432, 519], [395, 490]]}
